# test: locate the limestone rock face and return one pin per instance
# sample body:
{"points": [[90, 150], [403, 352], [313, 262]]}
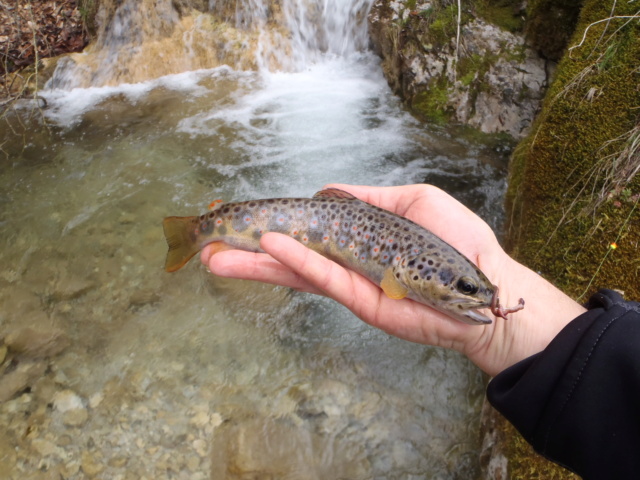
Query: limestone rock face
{"points": [[486, 77]]}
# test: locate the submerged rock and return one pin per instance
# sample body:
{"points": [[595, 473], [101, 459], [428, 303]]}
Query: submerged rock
{"points": [[36, 342], [20, 379]]}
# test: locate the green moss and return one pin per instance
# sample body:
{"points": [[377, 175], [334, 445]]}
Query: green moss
{"points": [[444, 25], [431, 105], [506, 14]]}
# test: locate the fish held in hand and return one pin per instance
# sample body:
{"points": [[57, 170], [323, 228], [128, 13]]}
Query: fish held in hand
{"points": [[403, 258]]}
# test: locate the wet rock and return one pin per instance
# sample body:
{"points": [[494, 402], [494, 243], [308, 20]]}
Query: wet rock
{"points": [[262, 448], [67, 400], [37, 342], [44, 447], [19, 379], [75, 417], [143, 297], [69, 287], [491, 80], [17, 300], [91, 465]]}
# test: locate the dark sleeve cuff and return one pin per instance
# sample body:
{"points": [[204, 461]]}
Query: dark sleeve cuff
{"points": [[578, 401]]}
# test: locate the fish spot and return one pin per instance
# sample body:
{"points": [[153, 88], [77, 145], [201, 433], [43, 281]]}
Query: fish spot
{"points": [[252, 204], [428, 277], [446, 276], [212, 214], [420, 267], [415, 277], [313, 204], [236, 209], [397, 275], [412, 263], [285, 202], [451, 261]]}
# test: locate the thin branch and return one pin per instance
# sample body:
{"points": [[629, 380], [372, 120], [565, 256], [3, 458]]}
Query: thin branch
{"points": [[608, 19]]}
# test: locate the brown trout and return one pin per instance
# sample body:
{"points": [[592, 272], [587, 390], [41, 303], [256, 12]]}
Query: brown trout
{"points": [[400, 256]]}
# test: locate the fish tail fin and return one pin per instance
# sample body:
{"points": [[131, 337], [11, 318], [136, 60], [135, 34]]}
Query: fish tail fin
{"points": [[181, 242]]}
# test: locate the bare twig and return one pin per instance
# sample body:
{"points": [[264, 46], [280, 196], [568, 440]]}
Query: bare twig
{"points": [[607, 20]]}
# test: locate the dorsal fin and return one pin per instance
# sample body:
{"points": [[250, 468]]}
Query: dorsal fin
{"points": [[215, 205], [333, 193]]}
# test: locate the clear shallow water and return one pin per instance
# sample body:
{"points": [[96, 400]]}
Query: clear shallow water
{"points": [[188, 376]]}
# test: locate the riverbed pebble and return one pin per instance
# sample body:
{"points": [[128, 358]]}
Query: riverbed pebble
{"points": [[67, 400]]}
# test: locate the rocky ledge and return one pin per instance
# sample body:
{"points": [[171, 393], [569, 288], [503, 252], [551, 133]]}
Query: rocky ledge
{"points": [[467, 71]]}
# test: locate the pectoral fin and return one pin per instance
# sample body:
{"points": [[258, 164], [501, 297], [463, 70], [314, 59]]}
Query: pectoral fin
{"points": [[391, 286]]}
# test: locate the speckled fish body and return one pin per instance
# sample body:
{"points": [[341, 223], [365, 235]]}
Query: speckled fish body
{"points": [[395, 253]]}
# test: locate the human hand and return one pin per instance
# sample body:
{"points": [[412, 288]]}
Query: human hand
{"points": [[492, 347]]}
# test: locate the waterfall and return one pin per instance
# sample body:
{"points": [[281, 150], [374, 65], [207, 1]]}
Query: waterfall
{"points": [[138, 40]]}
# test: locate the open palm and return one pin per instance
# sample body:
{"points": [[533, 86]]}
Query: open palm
{"points": [[492, 347]]}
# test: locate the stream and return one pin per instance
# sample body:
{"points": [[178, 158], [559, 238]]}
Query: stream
{"points": [[132, 372]]}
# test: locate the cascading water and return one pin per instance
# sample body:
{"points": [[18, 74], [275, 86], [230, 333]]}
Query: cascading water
{"points": [[139, 41], [186, 375]]}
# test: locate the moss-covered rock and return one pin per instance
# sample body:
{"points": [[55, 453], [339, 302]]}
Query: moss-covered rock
{"points": [[452, 66], [572, 198]]}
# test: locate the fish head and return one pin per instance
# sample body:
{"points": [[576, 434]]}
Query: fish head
{"points": [[455, 287]]}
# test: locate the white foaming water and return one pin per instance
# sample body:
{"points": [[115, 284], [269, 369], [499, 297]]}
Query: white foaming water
{"points": [[325, 28], [335, 121]]}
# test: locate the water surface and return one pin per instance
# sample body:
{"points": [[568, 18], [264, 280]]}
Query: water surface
{"points": [[188, 376]]}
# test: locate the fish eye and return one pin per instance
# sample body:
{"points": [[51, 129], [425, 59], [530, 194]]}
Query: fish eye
{"points": [[467, 286]]}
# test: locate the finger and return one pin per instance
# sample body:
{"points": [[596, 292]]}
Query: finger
{"points": [[344, 286], [394, 199], [253, 266], [404, 318]]}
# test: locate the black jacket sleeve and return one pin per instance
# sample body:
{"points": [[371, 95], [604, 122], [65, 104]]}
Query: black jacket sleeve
{"points": [[578, 401]]}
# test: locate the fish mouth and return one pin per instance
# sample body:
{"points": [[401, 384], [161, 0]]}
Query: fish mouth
{"points": [[470, 314], [473, 317]]}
